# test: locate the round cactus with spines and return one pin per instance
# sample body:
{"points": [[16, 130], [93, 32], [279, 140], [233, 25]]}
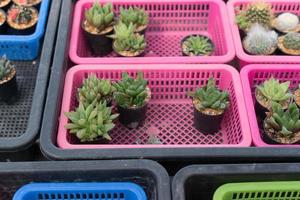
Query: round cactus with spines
{"points": [[292, 41], [286, 22], [6, 68]]}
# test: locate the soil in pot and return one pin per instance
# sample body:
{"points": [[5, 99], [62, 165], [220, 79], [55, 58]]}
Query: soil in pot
{"points": [[207, 121], [128, 53], [3, 25], [4, 4], [27, 3], [262, 105], [297, 97], [270, 136], [22, 25], [185, 44], [9, 88], [100, 44]]}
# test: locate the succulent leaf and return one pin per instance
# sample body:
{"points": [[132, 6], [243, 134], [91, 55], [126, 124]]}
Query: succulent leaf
{"points": [[134, 15], [198, 45]]}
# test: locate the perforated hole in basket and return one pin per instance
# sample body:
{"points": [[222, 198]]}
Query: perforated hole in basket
{"points": [[266, 195], [84, 195], [170, 110], [14, 117], [169, 23]]}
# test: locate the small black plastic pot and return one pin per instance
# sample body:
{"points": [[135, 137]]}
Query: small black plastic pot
{"points": [[9, 90], [185, 38], [75, 140], [132, 117], [260, 110], [3, 26], [101, 45], [207, 124]]}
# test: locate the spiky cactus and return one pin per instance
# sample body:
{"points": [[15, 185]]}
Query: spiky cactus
{"points": [[99, 16], [260, 41], [134, 15], [95, 89], [90, 122], [258, 12], [286, 22], [6, 68], [292, 41], [197, 45], [21, 15], [211, 97]]}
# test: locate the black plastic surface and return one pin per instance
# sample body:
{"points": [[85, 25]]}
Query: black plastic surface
{"points": [[200, 181], [20, 122], [148, 174], [193, 155]]}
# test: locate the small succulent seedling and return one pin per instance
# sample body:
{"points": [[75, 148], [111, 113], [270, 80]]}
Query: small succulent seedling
{"points": [[260, 41], [134, 15], [90, 122], [210, 97], [198, 45], [95, 89], [292, 41], [99, 16], [273, 90], [283, 122], [21, 15], [258, 12], [7, 69], [131, 92], [126, 40]]}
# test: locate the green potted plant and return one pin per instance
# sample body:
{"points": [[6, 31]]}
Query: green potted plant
{"points": [[2, 22], [209, 104], [97, 25], [137, 16], [286, 22], [290, 43], [269, 91], [95, 89], [197, 45], [132, 97], [91, 123], [22, 20], [126, 42], [34, 3], [4, 4], [282, 127], [8, 80]]}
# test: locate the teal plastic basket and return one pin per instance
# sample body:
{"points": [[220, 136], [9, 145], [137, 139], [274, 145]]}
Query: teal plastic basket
{"points": [[283, 190]]}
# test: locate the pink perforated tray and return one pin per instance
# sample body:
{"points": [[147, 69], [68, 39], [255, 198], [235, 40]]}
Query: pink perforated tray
{"points": [[170, 111], [170, 21], [253, 75], [278, 6]]}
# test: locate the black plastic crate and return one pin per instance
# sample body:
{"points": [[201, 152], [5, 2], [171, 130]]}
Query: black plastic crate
{"points": [[201, 181], [148, 174], [20, 122]]}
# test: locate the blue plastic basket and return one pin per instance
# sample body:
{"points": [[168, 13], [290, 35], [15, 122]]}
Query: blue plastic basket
{"points": [[25, 47], [80, 191]]}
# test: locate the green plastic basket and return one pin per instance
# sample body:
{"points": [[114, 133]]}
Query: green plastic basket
{"points": [[284, 190]]}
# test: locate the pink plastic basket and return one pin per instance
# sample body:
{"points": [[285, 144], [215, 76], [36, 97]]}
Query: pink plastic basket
{"points": [[253, 75], [170, 21], [278, 6], [170, 111]]}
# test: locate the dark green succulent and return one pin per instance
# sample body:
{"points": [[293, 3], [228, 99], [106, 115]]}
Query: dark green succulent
{"points": [[99, 16], [131, 92], [198, 45], [286, 122], [90, 122], [95, 89], [6, 68], [23, 15], [211, 97], [134, 15]]}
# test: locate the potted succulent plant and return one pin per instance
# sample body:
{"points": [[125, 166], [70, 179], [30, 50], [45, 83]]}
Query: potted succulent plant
{"points": [[209, 104], [126, 42], [91, 123], [271, 91], [260, 41], [258, 12], [197, 45], [282, 127], [95, 89], [290, 43], [286, 22], [2, 21], [132, 97], [34, 3], [137, 16], [4, 4], [8, 80], [97, 25], [22, 20], [297, 96]]}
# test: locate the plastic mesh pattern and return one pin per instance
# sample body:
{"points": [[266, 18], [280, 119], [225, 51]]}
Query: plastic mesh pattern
{"points": [[14, 117], [272, 195], [169, 23], [170, 110]]}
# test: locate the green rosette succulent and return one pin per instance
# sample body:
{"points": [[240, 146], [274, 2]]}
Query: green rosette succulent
{"points": [[137, 16], [198, 45], [6, 68]]}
